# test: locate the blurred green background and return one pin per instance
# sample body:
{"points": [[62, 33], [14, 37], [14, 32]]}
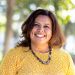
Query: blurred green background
{"points": [[14, 12]]}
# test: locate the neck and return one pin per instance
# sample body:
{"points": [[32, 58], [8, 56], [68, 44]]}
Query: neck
{"points": [[40, 48]]}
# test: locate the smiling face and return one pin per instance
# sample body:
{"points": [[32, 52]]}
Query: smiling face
{"points": [[42, 30]]}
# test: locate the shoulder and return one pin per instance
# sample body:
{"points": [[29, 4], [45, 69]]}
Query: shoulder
{"points": [[17, 50], [62, 54], [15, 53], [11, 60], [60, 51]]}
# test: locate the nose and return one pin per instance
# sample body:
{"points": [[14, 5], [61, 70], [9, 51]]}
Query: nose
{"points": [[41, 29]]}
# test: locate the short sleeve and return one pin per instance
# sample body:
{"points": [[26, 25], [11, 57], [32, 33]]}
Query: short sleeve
{"points": [[8, 65], [71, 66]]}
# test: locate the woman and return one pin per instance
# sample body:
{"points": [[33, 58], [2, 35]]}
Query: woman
{"points": [[40, 52]]}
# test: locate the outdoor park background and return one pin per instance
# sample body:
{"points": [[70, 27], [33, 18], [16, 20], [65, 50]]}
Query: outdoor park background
{"points": [[14, 12]]}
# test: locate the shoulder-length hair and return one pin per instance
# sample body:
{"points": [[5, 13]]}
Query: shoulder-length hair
{"points": [[57, 38]]}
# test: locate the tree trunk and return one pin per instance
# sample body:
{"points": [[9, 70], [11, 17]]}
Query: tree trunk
{"points": [[8, 33]]}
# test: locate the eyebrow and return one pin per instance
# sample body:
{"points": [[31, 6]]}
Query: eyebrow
{"points": [[36, 23], [40, 24]]}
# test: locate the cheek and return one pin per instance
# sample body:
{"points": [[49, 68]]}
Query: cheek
{"points": [[49, 34], [33, 30], [32, 34]]}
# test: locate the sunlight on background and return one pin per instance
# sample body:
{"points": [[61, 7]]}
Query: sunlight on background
{"points": [[2, 18], [70, 44], [70, 13], [33, 7], [73, 1]]}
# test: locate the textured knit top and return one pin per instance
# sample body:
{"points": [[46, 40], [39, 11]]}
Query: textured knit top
{"points": [[21, 61]]}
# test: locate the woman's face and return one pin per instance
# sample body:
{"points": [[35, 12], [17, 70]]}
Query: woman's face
{"points": [[42, 30]]}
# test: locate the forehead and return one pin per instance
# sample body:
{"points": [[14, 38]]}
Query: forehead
{"points": [[42, 18]]}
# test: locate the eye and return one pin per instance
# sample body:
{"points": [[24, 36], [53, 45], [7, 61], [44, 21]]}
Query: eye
{"points": [[36, 25], [46, 26]]}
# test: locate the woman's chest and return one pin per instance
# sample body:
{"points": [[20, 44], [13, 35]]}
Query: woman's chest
{"points": [[31, 66], [34, 68]]}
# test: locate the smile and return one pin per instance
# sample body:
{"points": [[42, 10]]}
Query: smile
{"points": [[39, 35]]}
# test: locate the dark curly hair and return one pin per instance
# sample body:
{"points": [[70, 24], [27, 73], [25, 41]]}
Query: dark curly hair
{"points": [[57, 38]]}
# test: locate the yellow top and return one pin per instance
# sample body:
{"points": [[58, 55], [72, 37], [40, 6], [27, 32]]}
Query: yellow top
{"points": [[21, 61]]}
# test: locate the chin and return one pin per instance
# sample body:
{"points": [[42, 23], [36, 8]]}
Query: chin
{"points": [[40, 42]]}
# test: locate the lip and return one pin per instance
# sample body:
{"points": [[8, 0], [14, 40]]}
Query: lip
{"points": [[39, 35]]}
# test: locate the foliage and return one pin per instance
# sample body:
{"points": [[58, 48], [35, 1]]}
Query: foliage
{"points": [[2, 27], [59, 5]]}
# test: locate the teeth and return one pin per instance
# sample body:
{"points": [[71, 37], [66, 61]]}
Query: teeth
{"points": [[39, 35]]}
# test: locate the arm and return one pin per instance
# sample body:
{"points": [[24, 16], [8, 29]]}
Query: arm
{"points": [[8, 65], [71, 66]]}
